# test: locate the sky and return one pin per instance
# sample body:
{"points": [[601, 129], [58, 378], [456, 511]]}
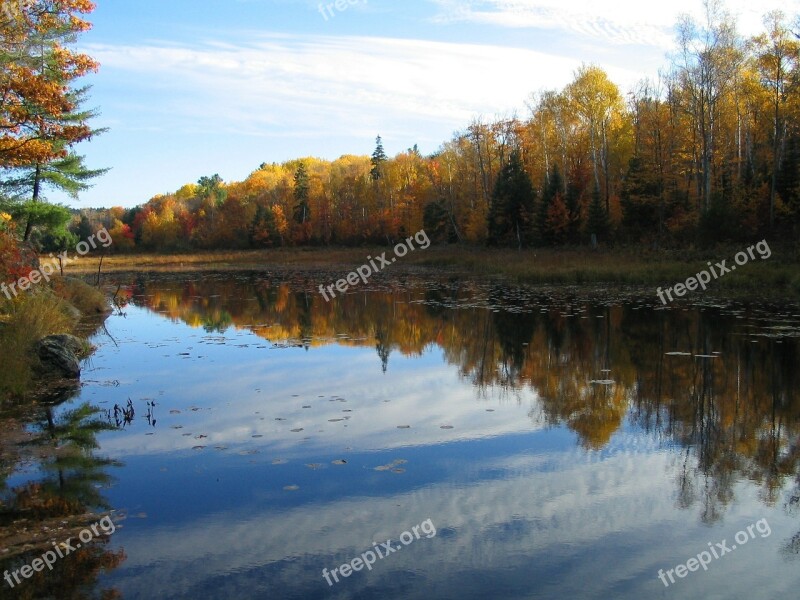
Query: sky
{"points": [[189, 88]]}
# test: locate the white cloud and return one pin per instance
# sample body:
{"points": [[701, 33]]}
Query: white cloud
{"points": [[615, 22], [311, 85], [619, 511], [375, 409]]}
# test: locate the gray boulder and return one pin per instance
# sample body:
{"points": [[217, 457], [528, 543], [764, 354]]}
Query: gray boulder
{"points": [[59, 356]]}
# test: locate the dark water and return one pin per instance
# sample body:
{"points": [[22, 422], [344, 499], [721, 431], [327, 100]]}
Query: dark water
{"points": [[560, 444]]}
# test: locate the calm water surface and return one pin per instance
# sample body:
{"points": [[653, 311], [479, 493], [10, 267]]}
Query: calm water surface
{"points": [[560, 443]]}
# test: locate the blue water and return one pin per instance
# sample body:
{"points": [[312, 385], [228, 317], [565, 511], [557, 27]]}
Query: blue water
{"points": [[472, 409]]}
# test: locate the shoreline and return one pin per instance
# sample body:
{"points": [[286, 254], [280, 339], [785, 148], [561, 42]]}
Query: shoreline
{"points": [[778, 275]]}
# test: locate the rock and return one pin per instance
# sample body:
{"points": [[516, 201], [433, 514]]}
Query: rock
{"points": [[60, 355]]}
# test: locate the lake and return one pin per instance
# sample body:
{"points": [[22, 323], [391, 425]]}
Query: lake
{"points": [[421, 437]]}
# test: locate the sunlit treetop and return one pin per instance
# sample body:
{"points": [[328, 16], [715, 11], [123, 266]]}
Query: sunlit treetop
{"points": [[38, 68]]}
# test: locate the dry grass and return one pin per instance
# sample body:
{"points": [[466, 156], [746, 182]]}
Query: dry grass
{"points": [[564, 266], [87, 299], [221, 260], [27, 319], [43, 311]]}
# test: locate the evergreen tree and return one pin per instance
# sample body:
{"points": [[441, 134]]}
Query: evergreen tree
{"points": [[511, 207], [642, 212], [597, 222], [84, 229], [65, 172], [38, 68], [264, 231], [302, 212], [573, 202], [68, 174], [378, 158], [438, 223], [550, 191]]}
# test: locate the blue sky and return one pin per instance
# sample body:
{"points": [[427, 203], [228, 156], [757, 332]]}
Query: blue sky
{"points": [[196, 87]]}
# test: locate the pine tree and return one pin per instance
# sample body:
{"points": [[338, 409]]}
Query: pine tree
{"points": [[436, 221], [65, 172], [38, 66], [573, 202], [378, 158], [597, 222], [642, 213], [302, 212], [211, 188], [511, 208], [550, 190], [264, 231], [68, 174]]}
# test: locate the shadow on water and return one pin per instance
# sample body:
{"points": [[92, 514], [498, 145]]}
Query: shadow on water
{"points": [[51, 482]]}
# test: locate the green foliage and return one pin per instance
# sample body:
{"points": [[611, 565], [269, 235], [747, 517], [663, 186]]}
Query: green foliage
{"points": [[720, 223], [378, 158], [84, 229], [68, 174], [52, 219], [211, 188], [55, 241], [641, 198], [511, 209], [437, 224], [597, 222], [302, 185], [551, 189]]}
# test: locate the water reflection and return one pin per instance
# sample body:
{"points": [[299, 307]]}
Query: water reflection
{"points": [[714, 382], [553, 437], [720, 381], [51, 487]]}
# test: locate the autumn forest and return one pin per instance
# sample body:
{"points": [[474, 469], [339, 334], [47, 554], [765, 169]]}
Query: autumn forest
{"points": [[709, 151], [540, 393]]}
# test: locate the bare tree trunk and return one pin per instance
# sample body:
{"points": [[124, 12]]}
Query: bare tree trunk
{"points": [[37, 189]]}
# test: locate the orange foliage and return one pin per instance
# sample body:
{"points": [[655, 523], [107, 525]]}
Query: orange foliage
{"points": [[36, 101]]}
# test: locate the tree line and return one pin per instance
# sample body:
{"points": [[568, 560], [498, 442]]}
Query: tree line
{"points": [[707, 152]]}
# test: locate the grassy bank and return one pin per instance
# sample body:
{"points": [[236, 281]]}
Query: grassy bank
{"points": [[49, 309], [780, 273]]}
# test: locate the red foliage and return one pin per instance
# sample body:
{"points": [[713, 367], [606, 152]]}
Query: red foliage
{"points": [[12, 266]]}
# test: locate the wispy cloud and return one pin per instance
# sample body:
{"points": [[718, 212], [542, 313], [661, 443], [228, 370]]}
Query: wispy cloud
{"points": [[273, 84], [622, 22]]}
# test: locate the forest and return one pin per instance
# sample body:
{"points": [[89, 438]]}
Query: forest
{"points": [[707, 152]]}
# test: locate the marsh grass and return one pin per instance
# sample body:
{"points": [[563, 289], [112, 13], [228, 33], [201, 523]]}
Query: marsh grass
{"points": [[568, 266], [23, 322], [87, 299]]}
